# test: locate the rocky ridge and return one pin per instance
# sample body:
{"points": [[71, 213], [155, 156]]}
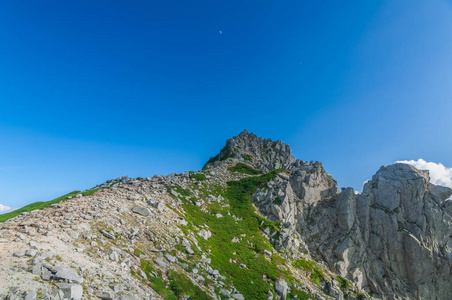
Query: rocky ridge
{"points": [[262, 154], [255, 224]]}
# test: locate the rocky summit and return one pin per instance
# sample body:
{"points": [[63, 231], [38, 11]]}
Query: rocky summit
{"points": [[255, 223]]}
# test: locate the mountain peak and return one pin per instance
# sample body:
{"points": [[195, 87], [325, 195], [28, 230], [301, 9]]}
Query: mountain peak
{"points": [[263, 154]]}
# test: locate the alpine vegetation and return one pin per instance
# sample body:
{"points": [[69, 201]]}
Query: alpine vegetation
{"points": [[254, 223]]}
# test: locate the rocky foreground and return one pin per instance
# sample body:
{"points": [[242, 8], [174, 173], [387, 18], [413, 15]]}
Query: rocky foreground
{"points": [[255, 223]]}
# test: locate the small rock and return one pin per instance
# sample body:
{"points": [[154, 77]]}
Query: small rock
{"points": [[174, 193], [19, 254], [108, 234], [237, 296], [281, 289], [206, 234], [71, 291], [45, 274], [185, 243], [31, 295], [128, 297], [159, 261], [50, 267], [283, 176], [270, 295], [170, 258], [73, 234], [134, 197], [68, 274], [36, 269], [105, 296], [114, 255], [117, 288], [160, 206], [31, 253]]}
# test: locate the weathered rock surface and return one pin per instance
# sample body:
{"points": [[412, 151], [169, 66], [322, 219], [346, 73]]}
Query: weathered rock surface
{"points": [[281, 289], [71, 291], [394, 239], [263, 154], [69, 275], [141, 211]]}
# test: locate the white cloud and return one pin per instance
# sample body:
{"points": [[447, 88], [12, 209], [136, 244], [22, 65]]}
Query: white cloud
{"points": [[362, 188], [5, 209], [439, 174]]}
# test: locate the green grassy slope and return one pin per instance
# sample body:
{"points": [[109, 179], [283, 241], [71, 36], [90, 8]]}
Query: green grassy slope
{"points": [[41, 205]]}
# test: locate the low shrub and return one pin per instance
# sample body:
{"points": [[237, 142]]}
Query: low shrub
{"points": [[198, 176], [246, 157], [244, 169]]}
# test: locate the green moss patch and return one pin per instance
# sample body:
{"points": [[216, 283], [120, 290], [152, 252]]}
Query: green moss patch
{"points": [[198, 176], [316, 274], [343, 283], [299, 294], [182, 191], [182, 285], [244, 169], [159, 285], [246, 157]]}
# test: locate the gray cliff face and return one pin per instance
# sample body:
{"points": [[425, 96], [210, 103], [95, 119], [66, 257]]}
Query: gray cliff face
{"points": [[394, 239], [405, 223], [262, 154]]}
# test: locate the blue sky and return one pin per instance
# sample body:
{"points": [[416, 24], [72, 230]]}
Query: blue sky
{"points": [[93, 90]]}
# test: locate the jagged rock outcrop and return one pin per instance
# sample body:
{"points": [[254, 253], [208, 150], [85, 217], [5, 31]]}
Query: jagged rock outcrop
{"points": [[405, 225], [394, 239], [289, 199], [262, 154]]}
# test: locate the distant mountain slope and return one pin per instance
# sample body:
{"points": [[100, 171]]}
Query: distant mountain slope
{"points": [[255, 224]]}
